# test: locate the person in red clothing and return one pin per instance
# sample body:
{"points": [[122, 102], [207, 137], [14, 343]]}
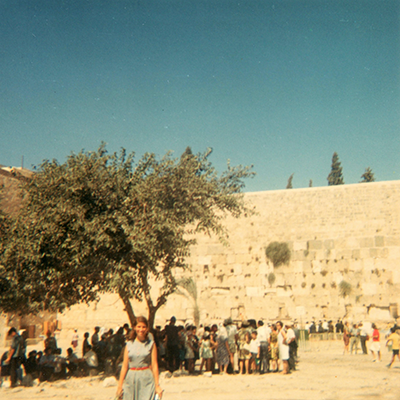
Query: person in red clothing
{"points": [[376, 345]]}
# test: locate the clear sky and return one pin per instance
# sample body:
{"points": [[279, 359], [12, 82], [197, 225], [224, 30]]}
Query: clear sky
{"points": [[278, 84]]}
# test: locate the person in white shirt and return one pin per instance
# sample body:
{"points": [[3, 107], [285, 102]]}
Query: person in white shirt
{"points": [[292, 343], [263, 334], [254, 350]]}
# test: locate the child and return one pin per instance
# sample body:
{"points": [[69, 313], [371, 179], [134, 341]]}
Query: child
{"points": [[206, 352], [254, 350]]}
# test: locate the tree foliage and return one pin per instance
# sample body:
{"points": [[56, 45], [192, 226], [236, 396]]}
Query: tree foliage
{"points": [[335, 177], [103, 223], [367, 176], [290, 182], [279, 253]]}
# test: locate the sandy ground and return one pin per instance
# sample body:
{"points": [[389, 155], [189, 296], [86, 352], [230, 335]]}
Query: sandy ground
{"points": [[323, 373]]}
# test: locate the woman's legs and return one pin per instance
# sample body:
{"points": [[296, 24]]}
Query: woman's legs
{"points": [[246, 363], [285, 367]]}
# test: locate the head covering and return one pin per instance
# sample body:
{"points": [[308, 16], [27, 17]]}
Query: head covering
{"points": [[228, 321]]}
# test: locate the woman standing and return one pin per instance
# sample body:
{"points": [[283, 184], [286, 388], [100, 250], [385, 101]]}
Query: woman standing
{"points": [[222, 352], [273, 343], [376, 345], [346, 337], [283, 348], [139, 374]]}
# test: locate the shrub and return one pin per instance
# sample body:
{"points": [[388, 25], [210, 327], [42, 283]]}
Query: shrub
{"points": [[271, 278], [278, 253], [345, 289]]}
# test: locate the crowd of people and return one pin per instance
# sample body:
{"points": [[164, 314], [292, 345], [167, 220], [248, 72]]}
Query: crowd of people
{"points": [[355, 335], [100, 353], [251, 347], [247, 347]]}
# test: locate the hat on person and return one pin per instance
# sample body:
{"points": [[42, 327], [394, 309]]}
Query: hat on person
{"points": [[228, 321]]}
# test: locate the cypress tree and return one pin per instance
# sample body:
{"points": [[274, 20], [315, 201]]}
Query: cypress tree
{"points": [[335, 177], [367, 176], [289, 182]]}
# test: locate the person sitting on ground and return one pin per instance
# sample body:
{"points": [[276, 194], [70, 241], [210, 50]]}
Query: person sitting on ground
{"points": [[72, 362], [47, 365], [91, 360], [60, 370], [31, 365]]}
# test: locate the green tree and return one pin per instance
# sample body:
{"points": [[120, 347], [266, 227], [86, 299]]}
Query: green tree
{"points": [[290, 182], [335, 177], [367, 176], [102, 223]]}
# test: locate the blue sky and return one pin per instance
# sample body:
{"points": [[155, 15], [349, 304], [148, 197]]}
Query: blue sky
{"points": [[277, 84]]}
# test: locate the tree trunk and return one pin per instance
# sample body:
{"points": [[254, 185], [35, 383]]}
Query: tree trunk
{"points": [[152, 317], [128, 308]]}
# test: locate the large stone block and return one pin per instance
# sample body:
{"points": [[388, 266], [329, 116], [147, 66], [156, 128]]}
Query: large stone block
{"points": [[367, 242], [392, 241], [300, 246], [379, 241], [314, 244], [369, 289]]}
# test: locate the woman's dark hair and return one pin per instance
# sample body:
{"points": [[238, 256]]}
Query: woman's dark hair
{"points": [[86, 335], [141, 319]]}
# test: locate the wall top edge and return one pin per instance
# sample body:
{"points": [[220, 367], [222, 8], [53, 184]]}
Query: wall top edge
{"points": [[324, 188]]}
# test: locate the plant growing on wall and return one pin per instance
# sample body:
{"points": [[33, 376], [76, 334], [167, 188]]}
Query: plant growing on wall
{"points": [[278, 253], [345, 289], [271, 278]]}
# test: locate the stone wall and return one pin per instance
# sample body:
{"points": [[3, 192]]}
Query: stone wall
{"points": [[345, 233]]}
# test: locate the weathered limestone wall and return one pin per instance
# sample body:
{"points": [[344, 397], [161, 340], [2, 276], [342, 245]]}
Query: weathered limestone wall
{"points": [[349, 232]]}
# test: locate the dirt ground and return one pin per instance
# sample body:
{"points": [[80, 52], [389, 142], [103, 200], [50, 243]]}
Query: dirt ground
{"points": [[323, 373]]}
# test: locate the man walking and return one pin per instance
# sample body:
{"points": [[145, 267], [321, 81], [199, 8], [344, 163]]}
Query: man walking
{"points": [[14, 355]]}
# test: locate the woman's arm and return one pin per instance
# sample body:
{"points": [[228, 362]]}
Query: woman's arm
{"points": [[124, 370], [154, 369]]}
